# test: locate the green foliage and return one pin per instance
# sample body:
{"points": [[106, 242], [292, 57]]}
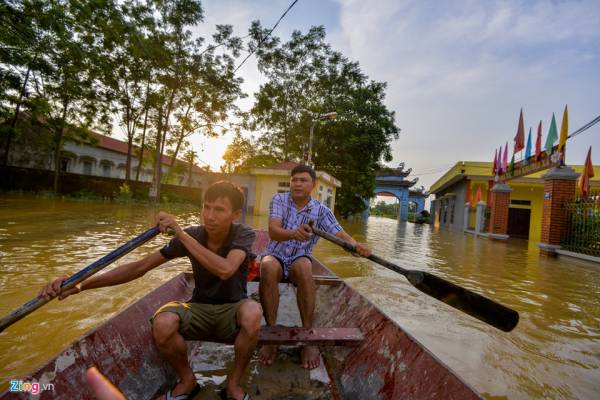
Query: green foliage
{"points": [[243, 154], [306, 78], [73, 65], [384, 209], [125, 193]]}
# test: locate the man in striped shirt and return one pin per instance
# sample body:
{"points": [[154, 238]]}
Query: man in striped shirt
{"points": [[288, 255]]}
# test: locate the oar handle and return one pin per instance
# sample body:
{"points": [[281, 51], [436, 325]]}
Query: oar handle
{"points": [[352, 249], [78, 277]]}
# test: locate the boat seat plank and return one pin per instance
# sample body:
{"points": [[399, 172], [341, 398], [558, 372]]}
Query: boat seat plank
{"points": [[284, 335], [318, 279]]}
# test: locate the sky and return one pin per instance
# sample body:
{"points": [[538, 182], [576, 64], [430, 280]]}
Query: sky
{"points": [[457, 72]]}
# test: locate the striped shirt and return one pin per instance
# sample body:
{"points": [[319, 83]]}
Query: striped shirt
{"points": [[282, 207]]}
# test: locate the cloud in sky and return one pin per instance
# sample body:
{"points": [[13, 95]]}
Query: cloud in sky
{"points": [[457, 72]]}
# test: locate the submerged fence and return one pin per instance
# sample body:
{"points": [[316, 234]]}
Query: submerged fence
{"points": [[583, 225]]}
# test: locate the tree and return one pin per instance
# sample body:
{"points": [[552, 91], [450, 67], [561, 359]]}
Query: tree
{"points": [[189, 75], [210, 91], [305, 78], [190, 157], [128, 58], [242, 154], [21, 41]]}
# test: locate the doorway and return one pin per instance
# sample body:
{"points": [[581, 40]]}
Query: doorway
{"points": [[518, 222]]}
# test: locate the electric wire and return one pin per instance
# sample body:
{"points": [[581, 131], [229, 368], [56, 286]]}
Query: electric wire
{"points": [[265, 37]]}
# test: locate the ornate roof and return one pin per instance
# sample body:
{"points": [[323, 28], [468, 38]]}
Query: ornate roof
{"points": [[395, 183], [395, 171]]}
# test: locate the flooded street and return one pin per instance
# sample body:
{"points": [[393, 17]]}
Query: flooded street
{"points": [[553, 353]]}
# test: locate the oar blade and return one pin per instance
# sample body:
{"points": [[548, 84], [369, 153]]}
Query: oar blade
{"points": [[469, 302]]}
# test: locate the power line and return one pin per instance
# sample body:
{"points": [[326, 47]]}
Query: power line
{"points": [[585, 127], [266, 36]]}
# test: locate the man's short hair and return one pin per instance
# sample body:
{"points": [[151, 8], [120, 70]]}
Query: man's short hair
{"points": [[305, 168], [225, 189]]}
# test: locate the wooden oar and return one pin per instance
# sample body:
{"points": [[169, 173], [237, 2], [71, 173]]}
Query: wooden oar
{"points": [[78, 277], [469, 302]]}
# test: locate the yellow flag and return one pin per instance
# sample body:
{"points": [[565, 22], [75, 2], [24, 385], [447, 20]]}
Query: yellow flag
{"points": [[564, 131]]}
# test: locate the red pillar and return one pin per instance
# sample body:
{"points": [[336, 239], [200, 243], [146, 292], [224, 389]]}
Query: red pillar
{"points": [[500, 194], [559, 188]]}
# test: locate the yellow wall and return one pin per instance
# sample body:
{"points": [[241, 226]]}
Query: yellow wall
{"points": [[267, 186], [534, 192]]}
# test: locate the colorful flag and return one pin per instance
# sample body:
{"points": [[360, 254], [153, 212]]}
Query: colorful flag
{"points": [[538, 142], [588, 172], [528, 147], [552, 136], [520, 136], [511, 167], [505, 159], [478, 196], [495, 166], [564, 132], [499, 163]]}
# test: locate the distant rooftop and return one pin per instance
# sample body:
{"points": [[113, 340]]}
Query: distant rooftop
{"points": [[119, 146], [482, 170]]}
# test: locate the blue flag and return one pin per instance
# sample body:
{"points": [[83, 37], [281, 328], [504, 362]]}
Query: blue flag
{"points": [[528, 147]]}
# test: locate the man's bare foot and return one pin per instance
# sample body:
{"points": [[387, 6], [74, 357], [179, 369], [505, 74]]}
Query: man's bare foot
{"points": [[234, 392], [310, 357], [267, 354], [183, 387]]}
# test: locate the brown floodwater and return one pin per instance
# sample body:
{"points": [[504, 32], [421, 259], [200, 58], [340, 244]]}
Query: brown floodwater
{"points": [[553, 353]]}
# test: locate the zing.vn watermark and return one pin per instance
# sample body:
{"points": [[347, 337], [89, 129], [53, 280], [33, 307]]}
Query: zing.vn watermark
{"points": [[29, 387]]}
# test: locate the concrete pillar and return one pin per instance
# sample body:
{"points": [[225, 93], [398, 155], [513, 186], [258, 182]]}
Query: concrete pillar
{"points": [[466, 216], [479, 221], [559, 188], [403, 214], [499, 216]]}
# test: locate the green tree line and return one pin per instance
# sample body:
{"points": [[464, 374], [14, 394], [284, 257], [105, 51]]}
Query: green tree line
{"points": [[73, 66]]}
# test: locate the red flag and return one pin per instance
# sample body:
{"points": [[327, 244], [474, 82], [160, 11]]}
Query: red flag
{"points": [[478, 196], [538, 143], [520, 136], [588, 172], [495, 167]]}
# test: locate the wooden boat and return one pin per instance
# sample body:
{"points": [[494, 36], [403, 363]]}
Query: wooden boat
{"points": [[365, 355]]}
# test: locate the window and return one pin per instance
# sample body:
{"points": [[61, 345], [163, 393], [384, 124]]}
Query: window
{"points": [[520, 202], [452, 212], [284, 184], [106, 170], [87, 167], [329, 190], [321, 188], [282, 191]]}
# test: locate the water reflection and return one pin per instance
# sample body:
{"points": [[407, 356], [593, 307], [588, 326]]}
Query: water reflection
{"points": [[554, 352]]}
